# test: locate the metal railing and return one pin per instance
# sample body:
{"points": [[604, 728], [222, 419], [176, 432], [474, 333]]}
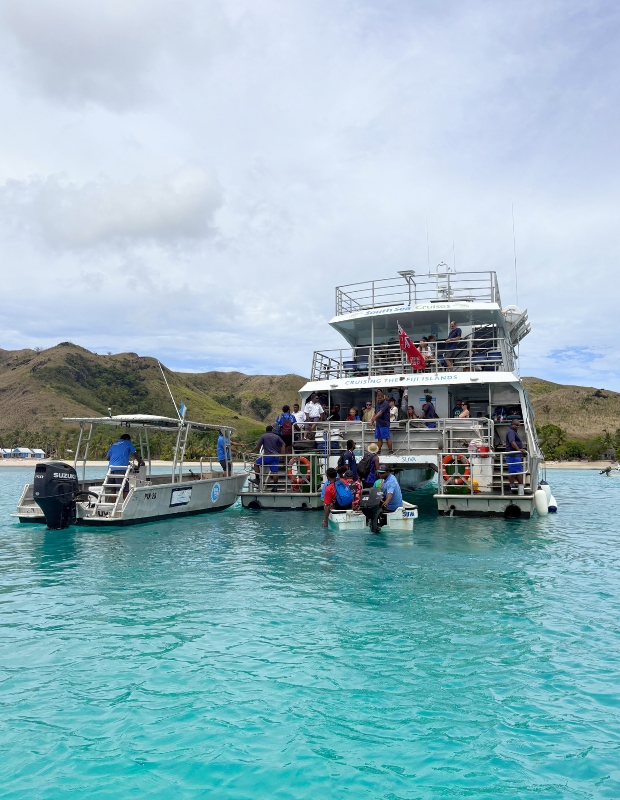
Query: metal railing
{"points": [[409, 437], [470, 355], [478, 473], [297, 472], [412, 289]]}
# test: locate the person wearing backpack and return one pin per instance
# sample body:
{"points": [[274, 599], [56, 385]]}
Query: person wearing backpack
{"points": [[367, 467], [284, 427], [348, 459], [338, 494]]}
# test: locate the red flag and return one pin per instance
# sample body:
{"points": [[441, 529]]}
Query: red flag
{"points": [[416, 359]]}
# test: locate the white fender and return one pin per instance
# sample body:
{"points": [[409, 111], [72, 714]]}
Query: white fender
{"points": [[553, 506], [546, 489], [540, 501]]}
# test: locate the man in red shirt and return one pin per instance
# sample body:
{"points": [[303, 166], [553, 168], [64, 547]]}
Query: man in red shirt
{"points": [[330, 499]]}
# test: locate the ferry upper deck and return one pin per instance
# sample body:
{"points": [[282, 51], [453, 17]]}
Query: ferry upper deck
{"points": [[419, 300], [368, 314]]}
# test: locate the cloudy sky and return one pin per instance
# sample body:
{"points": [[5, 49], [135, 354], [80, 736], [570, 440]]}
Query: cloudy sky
{"points": [[190, 180]]}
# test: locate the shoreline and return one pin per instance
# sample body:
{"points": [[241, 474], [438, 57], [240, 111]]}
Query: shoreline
{"points": [[32, 462]]}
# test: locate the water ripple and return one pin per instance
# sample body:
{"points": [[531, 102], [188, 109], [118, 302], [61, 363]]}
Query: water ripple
{"points": [[256, 655]]}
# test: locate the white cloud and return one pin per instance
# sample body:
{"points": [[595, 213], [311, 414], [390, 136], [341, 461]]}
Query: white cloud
{"points": [[104, 212], [335, 129], [107, 52]]}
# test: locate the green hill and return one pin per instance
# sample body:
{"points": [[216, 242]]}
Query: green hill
{"points": [[38, 388], [582, 411]]}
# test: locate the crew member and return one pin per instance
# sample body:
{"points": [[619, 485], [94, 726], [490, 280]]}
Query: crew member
{"points": [[514, 447], [118, 455]]}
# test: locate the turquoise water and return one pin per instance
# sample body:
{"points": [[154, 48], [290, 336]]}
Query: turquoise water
{"points": [[252, 654]]}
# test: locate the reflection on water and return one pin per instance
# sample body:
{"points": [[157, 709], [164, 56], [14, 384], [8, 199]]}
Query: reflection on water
{"points": [[250, 654], [56, 550]]}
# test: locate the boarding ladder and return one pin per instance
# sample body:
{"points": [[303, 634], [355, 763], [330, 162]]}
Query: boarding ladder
{"points": [[111, 495], [179, 452]]}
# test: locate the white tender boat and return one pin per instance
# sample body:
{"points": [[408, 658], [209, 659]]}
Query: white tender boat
{"points": [[137, 495], [399, 520]]}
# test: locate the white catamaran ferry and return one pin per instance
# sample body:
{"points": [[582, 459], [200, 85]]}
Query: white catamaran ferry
{"points": [[475, 473], [131, 495]]}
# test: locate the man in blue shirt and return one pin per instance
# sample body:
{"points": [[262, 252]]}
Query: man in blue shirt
{"points": [[392, 497], [452, 342], [381, 418], [223, 452], [273, 451], [118, 456], [514, 448]]}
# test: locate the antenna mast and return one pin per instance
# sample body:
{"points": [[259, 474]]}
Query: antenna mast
{"points": [[170, 392], [514, 250]]}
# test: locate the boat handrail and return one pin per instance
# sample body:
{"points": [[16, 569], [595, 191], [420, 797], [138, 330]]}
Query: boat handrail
{"points": [[464, 482], [472, 355], [420, 435], [411, 289], [296, 472]]}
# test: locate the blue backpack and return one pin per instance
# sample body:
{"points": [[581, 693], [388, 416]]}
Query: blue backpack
{"points": [[344, 495]]}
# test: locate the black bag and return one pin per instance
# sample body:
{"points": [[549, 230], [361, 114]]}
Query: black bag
{"points": [[364, 466]]}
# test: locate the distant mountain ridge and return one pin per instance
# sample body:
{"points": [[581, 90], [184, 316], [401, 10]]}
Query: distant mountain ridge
{"points": [[38, 388]]}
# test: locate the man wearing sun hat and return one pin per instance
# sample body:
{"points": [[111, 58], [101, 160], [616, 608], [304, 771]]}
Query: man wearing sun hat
{"points": [[372, 463]]}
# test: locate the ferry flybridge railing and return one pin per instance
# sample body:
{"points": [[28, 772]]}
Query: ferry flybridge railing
{"points": [[470, 355], [412, 289]]}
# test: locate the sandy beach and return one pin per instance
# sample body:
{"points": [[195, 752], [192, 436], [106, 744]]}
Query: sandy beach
{"points": [[30, 462]]}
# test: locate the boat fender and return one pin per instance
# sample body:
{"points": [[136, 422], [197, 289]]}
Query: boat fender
{"points": [[553, 506], [540, 501], [546, 489]]}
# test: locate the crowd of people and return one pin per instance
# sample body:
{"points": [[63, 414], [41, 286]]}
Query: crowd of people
{"points": [[343, 486]]}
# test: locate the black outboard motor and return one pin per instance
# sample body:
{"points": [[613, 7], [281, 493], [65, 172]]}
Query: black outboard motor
{"points": [[55, 489], [370, 504]]}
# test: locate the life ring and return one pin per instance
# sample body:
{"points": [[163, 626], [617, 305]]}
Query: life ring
{"points": [[460, 468], [299, 460], [298, 482]]}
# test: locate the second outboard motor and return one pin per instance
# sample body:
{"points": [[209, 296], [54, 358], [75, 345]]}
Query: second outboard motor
{"points": [[55, 489]]}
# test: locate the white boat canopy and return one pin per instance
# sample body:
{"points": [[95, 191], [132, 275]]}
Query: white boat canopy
{"points": [[151, 421]]}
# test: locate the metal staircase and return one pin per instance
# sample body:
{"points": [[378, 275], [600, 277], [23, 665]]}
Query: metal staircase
{"points": [[111, 495]]}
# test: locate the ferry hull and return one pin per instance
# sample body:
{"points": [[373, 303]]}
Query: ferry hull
{"points": [[485, 506], [281, 501], [411, 479]]}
